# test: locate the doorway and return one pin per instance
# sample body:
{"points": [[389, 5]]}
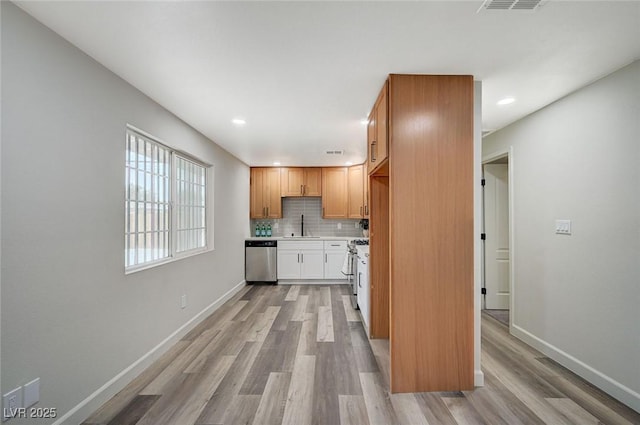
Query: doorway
{"points": [[496, 238]]}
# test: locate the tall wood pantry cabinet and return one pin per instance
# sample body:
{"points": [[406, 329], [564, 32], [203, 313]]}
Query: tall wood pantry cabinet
{"points": [[421, 229]]}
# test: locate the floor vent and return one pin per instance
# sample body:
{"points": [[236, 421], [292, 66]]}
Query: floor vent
{"points": [[514, 5]]}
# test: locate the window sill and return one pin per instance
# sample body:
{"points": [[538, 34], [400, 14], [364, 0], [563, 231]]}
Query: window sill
{"points": [[181, 256]]}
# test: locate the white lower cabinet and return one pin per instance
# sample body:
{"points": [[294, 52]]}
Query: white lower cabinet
{"points": [[334, 254], [288, 264], [311, 266], [300, 260]]}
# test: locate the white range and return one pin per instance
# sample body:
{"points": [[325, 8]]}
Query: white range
{"points": [[363, 283]]}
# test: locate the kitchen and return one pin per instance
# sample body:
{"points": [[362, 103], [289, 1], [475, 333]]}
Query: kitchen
{"points": [[66, 286]]}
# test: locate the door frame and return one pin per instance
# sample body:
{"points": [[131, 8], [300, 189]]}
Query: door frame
{"points": [[504, 153]]}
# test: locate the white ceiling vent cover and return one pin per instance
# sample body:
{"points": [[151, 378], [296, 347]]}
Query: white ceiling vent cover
{"points": [[335, 152], [513, 5]]}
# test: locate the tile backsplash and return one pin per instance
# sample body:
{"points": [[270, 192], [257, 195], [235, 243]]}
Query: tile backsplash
{"points": [[314, 224]]}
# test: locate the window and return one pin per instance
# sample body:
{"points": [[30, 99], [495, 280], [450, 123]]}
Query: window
{"points": [[190, 205], [165, 203]]}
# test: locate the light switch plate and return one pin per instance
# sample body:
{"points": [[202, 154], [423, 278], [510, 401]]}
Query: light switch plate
{"points": [[31, 393], [11, 402], [563, 227], [339, 226]]}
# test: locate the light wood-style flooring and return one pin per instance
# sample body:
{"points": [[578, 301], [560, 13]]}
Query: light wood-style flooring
{"points": [[299, 355]]}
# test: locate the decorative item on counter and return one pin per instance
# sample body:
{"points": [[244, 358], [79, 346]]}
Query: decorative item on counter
{"points": [[364, 225], [263, 230], [269, 230], [257, 230]]}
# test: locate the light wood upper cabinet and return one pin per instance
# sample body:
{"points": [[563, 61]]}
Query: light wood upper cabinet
{"points": [[365, 191], [313, 182], [301, 182], [377, 136], [335, 193], [265, 200], [356, 191]]}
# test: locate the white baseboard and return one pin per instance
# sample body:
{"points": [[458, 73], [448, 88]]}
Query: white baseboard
{"points": [[90, 404], [478, 378], [607, 384]]}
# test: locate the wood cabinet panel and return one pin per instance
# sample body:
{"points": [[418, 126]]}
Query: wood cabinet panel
{"points": [[431, 238], [292, 182], [381, 126], [313, 182], [335, 192], [256, 190], [272, 199], [301, 181], [264, 199], [377, 134], [379, 258], [365, 191], [356, 192]]}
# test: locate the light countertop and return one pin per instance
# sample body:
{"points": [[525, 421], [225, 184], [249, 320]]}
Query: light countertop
{"points": [[306, 238]]}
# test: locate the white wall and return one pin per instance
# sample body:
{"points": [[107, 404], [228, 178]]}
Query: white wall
{"points": [[577, 298], [69, 314]]}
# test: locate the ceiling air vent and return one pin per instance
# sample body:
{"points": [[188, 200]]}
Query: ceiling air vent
{"points": [[335, 152], [526, 5]]}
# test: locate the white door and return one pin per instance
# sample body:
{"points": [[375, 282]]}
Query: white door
{"points": [[333, 261], [312, 264], [288, 264], [496, 207]]}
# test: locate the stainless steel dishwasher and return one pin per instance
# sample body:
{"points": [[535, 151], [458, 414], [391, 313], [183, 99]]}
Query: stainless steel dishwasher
{"points": [[261, 261]]}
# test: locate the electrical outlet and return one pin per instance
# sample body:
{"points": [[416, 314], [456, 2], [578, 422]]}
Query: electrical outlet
{"points": [[563, 227], [183, 301], [356, 225], [11, 403], [339, 226]]}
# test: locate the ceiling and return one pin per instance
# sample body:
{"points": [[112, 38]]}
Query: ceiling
{"points": [[304, 74]]}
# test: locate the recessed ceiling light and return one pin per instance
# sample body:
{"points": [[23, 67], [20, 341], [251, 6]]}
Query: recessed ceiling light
{"points": [[238, 121], [348, 163], [276, 163], [506, 101]]}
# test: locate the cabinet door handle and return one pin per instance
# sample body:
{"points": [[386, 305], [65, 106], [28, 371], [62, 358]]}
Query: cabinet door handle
{"points": [[263, 209], [325, 258], [302, 255], [373, 157], [301, 190], [304, 189], [322, 211], [298, 258], [360, 210], [366, 209], [359, 280]]}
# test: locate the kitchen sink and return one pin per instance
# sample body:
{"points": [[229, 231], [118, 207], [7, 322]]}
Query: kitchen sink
{"points": [[302, 237]]}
